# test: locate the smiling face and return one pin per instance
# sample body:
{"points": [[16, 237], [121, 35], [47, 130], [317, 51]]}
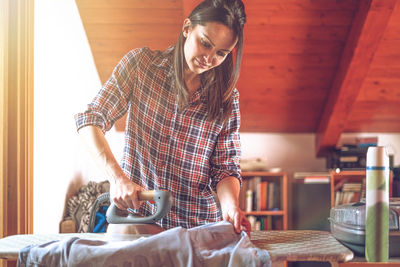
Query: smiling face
{"points": [[207, 46]]}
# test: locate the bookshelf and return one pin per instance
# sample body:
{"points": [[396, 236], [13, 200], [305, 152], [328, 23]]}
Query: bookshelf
{"points": [[343, 183], [268, 199]]}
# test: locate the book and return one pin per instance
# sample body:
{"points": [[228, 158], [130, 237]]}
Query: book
{"points": [[256, 199], [263, 195], [242, 195], [349, 192], [274, 196], [277, 197], [367, 141], [249, 200]]}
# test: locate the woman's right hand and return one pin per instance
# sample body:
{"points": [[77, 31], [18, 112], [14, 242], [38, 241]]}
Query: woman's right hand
{"points": [[124, 193]]}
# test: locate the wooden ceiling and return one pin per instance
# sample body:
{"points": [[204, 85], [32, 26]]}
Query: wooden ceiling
{"points": [[311, 66]]}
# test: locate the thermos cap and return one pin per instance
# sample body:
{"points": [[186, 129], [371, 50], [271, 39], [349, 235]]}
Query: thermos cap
{"points": [[377, 157]]}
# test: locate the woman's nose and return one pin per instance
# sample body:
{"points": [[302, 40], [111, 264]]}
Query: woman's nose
{"points": [[209, 58]]}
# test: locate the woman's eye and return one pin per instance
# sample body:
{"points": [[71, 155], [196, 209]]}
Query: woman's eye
{"points": [[221, 54], [205, 44]]}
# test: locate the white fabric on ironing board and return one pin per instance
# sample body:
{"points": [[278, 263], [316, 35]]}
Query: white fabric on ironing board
{"points": [[208, 245]]}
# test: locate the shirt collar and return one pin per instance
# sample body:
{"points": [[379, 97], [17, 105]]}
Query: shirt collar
{"points": [[165, 60]]}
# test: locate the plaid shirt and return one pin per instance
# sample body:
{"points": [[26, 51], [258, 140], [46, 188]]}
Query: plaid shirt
{"points": [[167, 149]]}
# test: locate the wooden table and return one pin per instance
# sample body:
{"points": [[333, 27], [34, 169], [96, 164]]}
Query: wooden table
{"points": [[292, 245], [361, 262]]}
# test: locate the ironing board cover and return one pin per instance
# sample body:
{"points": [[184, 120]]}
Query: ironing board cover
{"points": [[292, 245], [301, 245]]}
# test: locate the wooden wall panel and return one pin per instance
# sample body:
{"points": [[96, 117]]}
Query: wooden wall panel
{"points": [[139, 4], [114, 28], [118, 15], [296, 32], [292, 51], [277, 115], [292, 55], [305, 17], [301, 5]]}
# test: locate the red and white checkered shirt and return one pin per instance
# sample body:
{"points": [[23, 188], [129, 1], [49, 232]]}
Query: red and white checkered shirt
{"points": [[167, 149]]}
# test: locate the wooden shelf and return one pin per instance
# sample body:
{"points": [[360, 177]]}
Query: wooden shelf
{"points": [[276, 177], [340, 178], [265, 213], [263, 174]]}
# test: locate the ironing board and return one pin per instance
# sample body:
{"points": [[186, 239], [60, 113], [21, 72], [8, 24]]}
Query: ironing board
{"points": [[292, 245], [302, 245]]}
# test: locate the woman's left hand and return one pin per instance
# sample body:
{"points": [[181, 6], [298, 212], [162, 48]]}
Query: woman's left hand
{"points": [[228, 193], [236, 217]]}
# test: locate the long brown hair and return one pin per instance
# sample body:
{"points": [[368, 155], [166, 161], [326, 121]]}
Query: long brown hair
{"points": [[219, 82]]}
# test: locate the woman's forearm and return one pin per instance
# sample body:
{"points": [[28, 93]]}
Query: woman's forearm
{"points": [[123, 192], [100, 151], [228, 190]]}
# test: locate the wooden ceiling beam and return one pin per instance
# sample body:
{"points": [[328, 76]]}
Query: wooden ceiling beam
{"points": [[366, 32]]}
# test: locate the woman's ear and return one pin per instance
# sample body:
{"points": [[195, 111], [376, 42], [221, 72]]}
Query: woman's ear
{"points": [[186, 27]]}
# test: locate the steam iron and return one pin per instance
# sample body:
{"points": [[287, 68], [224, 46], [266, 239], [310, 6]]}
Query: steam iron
{"points": [[128, 223]]}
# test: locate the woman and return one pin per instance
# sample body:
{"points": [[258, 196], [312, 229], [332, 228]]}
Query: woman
{"points": [[183, 121]]}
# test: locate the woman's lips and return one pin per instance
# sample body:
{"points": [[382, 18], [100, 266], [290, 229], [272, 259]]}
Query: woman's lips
{"points": [[202, 65]]}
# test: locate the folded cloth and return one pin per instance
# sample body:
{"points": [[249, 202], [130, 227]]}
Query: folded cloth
{"points": [[209, 245]]}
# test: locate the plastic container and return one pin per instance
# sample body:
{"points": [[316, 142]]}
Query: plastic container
{"points": [[347, 224]]}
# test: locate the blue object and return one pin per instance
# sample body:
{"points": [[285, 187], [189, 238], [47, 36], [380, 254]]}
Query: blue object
{"points": [[100, 222]]}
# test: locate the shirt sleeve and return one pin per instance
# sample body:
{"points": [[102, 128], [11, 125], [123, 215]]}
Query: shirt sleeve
{"points": [[226, 156], [111, 103]]}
